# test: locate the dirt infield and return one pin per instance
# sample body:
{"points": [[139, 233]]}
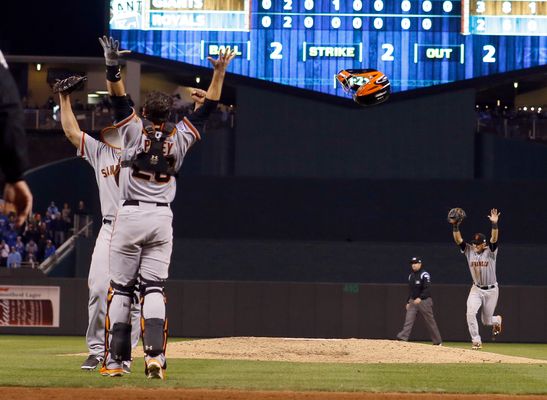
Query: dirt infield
{"points": [[9, 393], [332, 351]]}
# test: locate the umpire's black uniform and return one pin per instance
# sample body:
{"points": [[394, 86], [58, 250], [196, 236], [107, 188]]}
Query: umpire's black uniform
{"points": [[13, 146], [419, 284]]}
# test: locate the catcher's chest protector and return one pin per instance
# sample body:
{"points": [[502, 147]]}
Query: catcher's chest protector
{"points": [[153, 158]]}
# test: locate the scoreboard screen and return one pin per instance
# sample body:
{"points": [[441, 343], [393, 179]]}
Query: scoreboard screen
{"points": [[304, 43]]}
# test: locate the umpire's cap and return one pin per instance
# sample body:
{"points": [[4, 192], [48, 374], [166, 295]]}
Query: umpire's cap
{"points": [[478, 238], [415, 260]]}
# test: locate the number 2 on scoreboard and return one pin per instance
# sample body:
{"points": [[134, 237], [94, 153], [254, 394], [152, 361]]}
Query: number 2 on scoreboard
{"points": [[489, 56], [276, 53]]}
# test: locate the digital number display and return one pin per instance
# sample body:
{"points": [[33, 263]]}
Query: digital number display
{"points": [[304, 43]]}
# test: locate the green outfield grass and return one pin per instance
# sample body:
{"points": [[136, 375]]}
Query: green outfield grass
{"points": [[38, 361]]}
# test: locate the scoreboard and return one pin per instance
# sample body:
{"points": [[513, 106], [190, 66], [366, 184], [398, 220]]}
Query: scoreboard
{"points": [[304, 43]]}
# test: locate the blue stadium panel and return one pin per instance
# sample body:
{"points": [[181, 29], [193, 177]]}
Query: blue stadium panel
{"points": [[304, 43]]}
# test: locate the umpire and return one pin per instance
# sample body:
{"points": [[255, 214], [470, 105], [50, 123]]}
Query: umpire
{"points": [[419, 300], [13, 146]]}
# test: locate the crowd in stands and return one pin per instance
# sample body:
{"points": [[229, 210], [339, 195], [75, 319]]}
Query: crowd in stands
{"points": [[521, 122], [39, 239]]}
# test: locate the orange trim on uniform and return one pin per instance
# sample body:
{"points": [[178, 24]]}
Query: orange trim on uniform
{"points": [[103, 131], [125, 121], [193, 129]]}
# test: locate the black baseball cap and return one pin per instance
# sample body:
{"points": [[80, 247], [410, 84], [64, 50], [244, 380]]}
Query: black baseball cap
{"points": [[415, 260], [478, 238]]}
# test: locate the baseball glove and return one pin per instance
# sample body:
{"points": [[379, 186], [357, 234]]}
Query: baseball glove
{"points": [[456, 216], [70, 84]]}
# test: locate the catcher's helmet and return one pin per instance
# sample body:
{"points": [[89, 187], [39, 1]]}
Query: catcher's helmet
{"points": [[478, 238], [367, 86], [416, 260]]}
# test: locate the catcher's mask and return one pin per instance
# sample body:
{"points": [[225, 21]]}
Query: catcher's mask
{"points": [[478, 238], [111, 137], [367, 86]]}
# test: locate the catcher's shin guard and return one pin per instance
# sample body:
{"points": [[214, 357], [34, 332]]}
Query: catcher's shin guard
{"points": [[119, 346], [154, 336], [154, 330]]}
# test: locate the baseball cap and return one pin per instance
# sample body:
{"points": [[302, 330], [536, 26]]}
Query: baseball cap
{"points": [[478, 238], [416, 260]]}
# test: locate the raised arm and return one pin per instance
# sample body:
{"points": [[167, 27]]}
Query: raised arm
{"points": [[68, 121], [456, 234], [112, 53], [220, 64], [494, 217]]}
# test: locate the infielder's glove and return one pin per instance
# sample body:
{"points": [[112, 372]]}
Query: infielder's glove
{"points": [[456, 216], [70, 84]]}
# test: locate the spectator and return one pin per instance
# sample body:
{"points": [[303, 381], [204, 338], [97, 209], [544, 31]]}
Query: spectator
{"points": [[81, 210], [52, 209], [31, 233], [31, 250], [9, 233], [49, 250], [42, 243], [20, 246], [4, 253], [66, 214], [58, 228], [14, 258]]}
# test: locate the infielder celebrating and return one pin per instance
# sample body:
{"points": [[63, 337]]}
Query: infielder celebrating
{"points": [[153, 152], [105, 160], [481, 258]]}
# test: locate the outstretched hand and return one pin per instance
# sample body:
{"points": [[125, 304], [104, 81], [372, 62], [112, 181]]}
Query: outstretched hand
{"points": [[112, 50], [494, 216], [18, 196], [223, 60]]}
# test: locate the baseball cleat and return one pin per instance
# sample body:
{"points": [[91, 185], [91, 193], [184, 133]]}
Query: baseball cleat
{"points": [[476, 346], [154, 370], [111, 372], [126, 366], [496, 329], [91, 362]]}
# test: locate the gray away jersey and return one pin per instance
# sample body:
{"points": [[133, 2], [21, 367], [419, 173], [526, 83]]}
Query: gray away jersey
{"points": [[143, 185], [482, 266], [105, 160]]}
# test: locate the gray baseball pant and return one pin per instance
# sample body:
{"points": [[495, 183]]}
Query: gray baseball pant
{"points": [[426, 309]]}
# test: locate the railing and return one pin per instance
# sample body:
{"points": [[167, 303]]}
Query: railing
{"points": [[524, 127], [47, 119], [66, 248]]}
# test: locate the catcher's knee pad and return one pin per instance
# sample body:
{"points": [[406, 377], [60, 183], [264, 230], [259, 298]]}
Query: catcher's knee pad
{"points": [[154, 336], [120, 345]]}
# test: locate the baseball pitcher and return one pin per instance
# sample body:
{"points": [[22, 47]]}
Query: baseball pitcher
{"points": [[153, 152], [104, 157], [481, 259]]}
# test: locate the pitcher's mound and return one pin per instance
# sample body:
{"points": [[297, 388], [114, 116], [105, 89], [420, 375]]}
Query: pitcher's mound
{"points": [[332, 351]]}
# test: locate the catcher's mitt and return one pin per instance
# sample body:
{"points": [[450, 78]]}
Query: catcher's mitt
{"points": [[456, 216], [70, 84]]}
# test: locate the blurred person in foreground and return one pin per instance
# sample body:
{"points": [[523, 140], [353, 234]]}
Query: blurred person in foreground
{"points": [[13, 146]]}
